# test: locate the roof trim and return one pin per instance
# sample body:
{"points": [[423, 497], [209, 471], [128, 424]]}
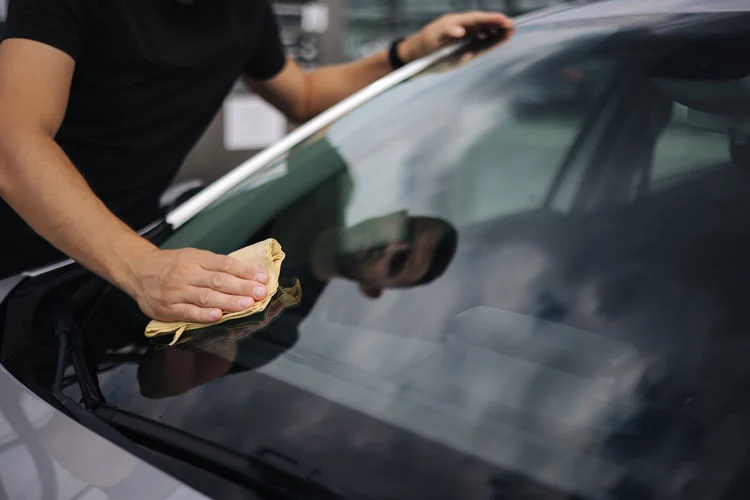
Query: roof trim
{"points": [[192, 207]]}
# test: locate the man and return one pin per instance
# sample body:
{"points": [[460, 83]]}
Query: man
{"points": [[100, 101]]}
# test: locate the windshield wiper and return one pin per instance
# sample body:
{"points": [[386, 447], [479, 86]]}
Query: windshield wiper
{"points": [[267, 472], [71, 344]]}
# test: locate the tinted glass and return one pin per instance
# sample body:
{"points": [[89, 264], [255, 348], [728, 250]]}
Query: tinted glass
{"points": [[520, 275], [686, 147]]}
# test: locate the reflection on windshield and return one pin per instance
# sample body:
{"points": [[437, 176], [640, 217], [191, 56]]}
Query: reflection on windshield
{"points": [[477, 127], [393, 251]]}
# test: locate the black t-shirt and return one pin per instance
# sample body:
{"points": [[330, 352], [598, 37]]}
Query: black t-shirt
{"points": [[150, 76]]}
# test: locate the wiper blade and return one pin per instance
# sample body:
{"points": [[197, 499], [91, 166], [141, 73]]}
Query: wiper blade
{"points": [[266, 472], [71, 343]]}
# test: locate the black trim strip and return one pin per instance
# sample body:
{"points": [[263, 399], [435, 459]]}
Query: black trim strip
{"points": [[256, 473]]}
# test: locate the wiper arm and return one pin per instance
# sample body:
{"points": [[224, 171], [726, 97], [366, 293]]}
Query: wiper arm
{"points": [[71, 342], [266, 472]]}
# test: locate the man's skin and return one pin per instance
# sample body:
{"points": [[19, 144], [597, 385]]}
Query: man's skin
{"points": [[41, 184]]}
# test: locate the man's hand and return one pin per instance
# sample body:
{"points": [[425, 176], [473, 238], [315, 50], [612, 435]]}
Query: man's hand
{"points": [[193, 285], [301, 95], [450, 28]]}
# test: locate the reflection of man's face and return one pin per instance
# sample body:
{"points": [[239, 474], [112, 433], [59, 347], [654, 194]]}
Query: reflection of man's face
{"points": [[395, 264]]}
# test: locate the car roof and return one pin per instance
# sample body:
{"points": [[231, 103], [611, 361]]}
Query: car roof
{"points": [[637, 8]]}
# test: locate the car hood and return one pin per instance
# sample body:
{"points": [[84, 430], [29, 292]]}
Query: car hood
{"points": [[44, 454]]}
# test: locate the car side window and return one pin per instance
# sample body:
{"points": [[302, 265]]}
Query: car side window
{"points": [[687, 146], [512, 168]]}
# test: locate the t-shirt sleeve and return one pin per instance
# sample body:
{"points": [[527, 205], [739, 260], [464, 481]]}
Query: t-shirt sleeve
{"points": [[63, 24], [269, 58]]}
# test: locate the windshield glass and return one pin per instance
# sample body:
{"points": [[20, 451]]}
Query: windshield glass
{"points": [[489, 294], [451, 116]]}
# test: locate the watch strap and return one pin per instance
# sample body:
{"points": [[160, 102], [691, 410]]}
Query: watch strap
{"points": [[393, 57]]}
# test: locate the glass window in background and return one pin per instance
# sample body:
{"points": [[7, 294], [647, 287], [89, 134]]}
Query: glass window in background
{"points": [[3, 14], [372, 25], [689, 145]]}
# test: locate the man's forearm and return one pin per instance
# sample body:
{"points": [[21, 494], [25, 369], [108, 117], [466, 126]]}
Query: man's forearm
{"points": [[42, 185], [301, 96], [39, 182], [332, 84]]}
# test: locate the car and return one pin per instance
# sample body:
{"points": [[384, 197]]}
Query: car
{"points": [[480, 299]]}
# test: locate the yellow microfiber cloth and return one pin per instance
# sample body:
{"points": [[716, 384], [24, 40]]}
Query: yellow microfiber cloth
{"points": [[288, 296], [265, 254]]}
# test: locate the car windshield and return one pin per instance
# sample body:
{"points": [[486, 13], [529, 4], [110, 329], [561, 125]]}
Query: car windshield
{"points": [[514, 274]]}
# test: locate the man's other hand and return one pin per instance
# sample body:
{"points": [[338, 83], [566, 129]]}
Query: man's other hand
{"points": [[452, 27], [194, 285]]}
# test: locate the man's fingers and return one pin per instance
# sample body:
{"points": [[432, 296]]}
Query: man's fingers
{"points": [[231, 285], [456, 30], [507, 34], [194, 314], [196, 286], [229, 265], [456, 25], [478, 18], [206, 298]]}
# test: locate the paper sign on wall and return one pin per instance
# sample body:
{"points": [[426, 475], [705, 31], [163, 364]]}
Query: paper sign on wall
{"points": [[251, 123], [314, 18]]}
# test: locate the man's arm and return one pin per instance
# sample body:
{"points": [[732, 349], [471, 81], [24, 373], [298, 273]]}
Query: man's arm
{"points": [[302, 95], [41, 184]]}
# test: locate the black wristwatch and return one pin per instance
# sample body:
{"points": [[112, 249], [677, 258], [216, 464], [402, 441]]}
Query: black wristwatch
{"points": [[393, 57]]}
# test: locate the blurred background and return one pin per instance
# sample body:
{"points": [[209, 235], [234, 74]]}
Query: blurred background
{"points": [[317, 32]]}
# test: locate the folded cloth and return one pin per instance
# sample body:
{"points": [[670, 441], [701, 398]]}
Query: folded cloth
{"points": [[289, 295], [265, 254]]}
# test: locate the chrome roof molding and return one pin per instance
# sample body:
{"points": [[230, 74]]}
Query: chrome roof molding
{"points": [[226, 183], [229, 181], [65, 263]]}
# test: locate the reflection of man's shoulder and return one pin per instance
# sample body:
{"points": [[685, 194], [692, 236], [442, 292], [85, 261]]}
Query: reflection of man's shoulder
{"points": [[298, 227], [294, 266]]}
